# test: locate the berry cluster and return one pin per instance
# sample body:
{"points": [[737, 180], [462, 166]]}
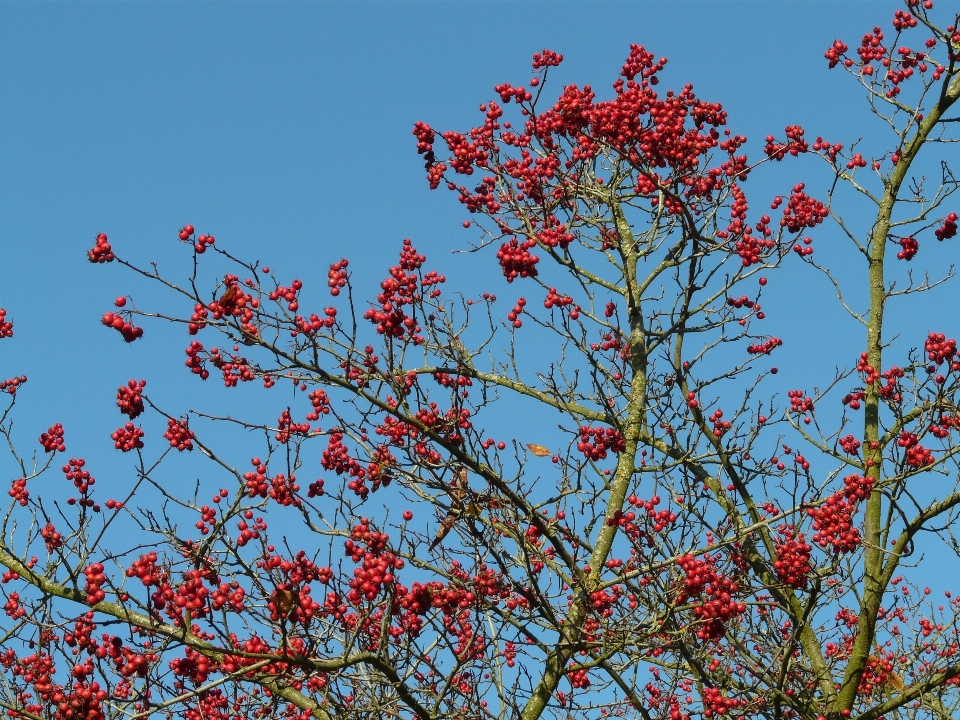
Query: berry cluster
{"points": [[195, 361], [51, 538], [337, 276], [948, 229], [516, 260], [6, 326], [117, 322], [130, 398], [547, 58], [916, 455], [555, 299], [870, 373], [702, 581], [81, 478], [52, 439], [127, 438], [101, 251], [514, 314], [826, 149], [793, 558], [10, 385], [833, 520], [234, 367], [765, 348], [397, 291], [315, 323], [805, 249], [95, 580], [850, 445], [835, 53], [910, 247], [940, 350], [289, 294], [856, 161], [18, 491], [799, 403], [795, 144], [802, 211], [853, 399], [286, 427], [720, 426], [596, 442], [321, 404], [179, 435]]}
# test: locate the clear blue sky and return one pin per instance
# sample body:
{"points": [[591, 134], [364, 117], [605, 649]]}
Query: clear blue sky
{"points": [[284, 130]]}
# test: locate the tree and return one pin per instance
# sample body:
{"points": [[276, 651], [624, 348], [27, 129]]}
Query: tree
{"points": [[678, 550]]}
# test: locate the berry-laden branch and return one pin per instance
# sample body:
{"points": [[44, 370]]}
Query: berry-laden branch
{"points": [[675, 530]]}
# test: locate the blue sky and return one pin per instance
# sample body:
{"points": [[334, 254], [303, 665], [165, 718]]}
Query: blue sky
{"points": [[284, 130]]}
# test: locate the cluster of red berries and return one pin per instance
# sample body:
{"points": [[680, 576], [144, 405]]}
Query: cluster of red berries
{"points": [[856, 161], [179, 435], [948, 229], [81, 478], [826, 149], [286, 427], [850, 445], [130, 398], [716, 704], [18, 491], [910, 247], [52, 439], [101, 251], [835, 52], [795, 144], [315, 323], [13, 608], [337, 276], [6, 326], [889, 388], [871, 48], [793, 558], [799, 403], [145, 568], [197, 320], [802, 211], [10, 385], [95, 580], [766, 347], [940, 350], [556, 299], [853, 399], [596, 442], [51, 538], [516, 260], [805, 249], [289, 294], [127, 438], [116, 321], [195, 361], [248, 533], [555, 233], [750, 248], [321, 404], [703, 582], [514, 314], [833, 522], [916, 455], [870, 373], [336, 457], [506, 92], [720, 426], [233, 367]]}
